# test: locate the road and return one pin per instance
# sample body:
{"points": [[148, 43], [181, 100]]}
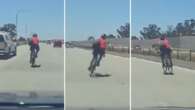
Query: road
{"points": [[150, 88], [16, 74], [100, 93]]}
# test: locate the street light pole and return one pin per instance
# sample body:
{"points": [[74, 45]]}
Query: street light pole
{"points": [[26, 30], [17, 14], [16, 24]]}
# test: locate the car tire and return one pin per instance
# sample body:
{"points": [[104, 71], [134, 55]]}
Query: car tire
{"points": [[15, 52], [7, 55]]}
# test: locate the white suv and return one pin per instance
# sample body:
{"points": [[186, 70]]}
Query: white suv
{"points": [[7, 46]]}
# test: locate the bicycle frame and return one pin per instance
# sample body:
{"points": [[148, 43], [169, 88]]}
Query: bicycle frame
{"points": [[93, 65], [32, 57], [167, 66]]}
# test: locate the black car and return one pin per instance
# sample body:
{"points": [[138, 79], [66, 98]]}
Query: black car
{"points": [[57, 44]]}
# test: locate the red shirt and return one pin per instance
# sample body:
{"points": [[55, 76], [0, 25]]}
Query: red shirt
{"points": [[35, 40], [166, 43], [102, 43]]}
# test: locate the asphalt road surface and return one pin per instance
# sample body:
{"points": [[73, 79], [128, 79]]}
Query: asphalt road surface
{"points": [[150, 88], [17, 75], [99, 93]]}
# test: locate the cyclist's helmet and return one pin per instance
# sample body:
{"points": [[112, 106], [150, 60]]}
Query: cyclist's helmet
{"points": [[103, 36], [163, 37], [35, 35]]}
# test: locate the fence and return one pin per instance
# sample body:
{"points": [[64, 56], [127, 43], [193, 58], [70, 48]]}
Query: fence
{"points": [[185, 42], [177, 53], [116, 48]]}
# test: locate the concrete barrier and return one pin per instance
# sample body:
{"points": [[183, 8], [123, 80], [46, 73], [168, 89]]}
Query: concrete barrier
{"points": [[117, 45]]}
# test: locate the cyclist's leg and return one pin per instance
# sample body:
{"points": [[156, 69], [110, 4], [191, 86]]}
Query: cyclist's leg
{"points": [[99, 59], [101, 53], [36, 50], [170, 57], [162, 59], [31, 52], [93, 58], [162, 56]]}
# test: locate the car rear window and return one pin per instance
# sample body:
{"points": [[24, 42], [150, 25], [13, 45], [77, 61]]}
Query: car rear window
{"points": [[1, 38]]}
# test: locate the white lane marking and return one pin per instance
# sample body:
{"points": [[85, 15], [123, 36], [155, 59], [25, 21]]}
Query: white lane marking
{"points": [[178, 67]]}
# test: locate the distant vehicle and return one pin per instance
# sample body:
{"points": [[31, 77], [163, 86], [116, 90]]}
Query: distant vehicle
{"points": [[57, 43], [69, 45], [48, 42], [7, 45]]}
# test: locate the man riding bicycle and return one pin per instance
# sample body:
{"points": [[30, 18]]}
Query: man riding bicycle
{"points": [[165, 49], [34, 45], [99, 48]]}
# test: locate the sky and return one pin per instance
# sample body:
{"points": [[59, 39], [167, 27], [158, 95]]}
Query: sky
{"points": [[86, 18], [160, 12], [44, 17]]}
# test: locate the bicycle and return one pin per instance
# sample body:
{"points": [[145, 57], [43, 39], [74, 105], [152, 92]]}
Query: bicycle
{"points": [[167, 66], [32, 57], [93, 66]]}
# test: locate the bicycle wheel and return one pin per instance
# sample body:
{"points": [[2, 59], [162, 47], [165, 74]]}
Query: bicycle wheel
{"points": [[166, 64], [170, 66], [33, 58], [93, 66]]}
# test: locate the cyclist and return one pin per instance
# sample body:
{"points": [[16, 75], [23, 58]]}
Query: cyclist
{"points": [[102, 48], [34, 44], [99, 50], [165, 49]]}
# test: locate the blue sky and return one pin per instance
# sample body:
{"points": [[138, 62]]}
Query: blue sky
{"points": [[45, 17], [160, 12], [93, 17]]}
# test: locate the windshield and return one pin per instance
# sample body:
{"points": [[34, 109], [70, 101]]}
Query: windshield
{"points": [[31, 70], [1, 38], [97, 64], [163, 55]]}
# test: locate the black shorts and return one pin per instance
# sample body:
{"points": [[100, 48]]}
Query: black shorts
{"points": [[102, 51]]}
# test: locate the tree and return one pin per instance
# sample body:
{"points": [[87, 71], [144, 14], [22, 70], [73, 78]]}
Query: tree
{"points": [[151, 32], [123, 31], [187, 27], [170, 31], [91, 38], [134, 38], [193, 26], [10, 28], [110, 36], [22, 39], [180, 29]]}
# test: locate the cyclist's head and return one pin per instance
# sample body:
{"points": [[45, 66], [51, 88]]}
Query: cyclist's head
{"points": [[103, 36], [163, 37], [35, 35]]}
